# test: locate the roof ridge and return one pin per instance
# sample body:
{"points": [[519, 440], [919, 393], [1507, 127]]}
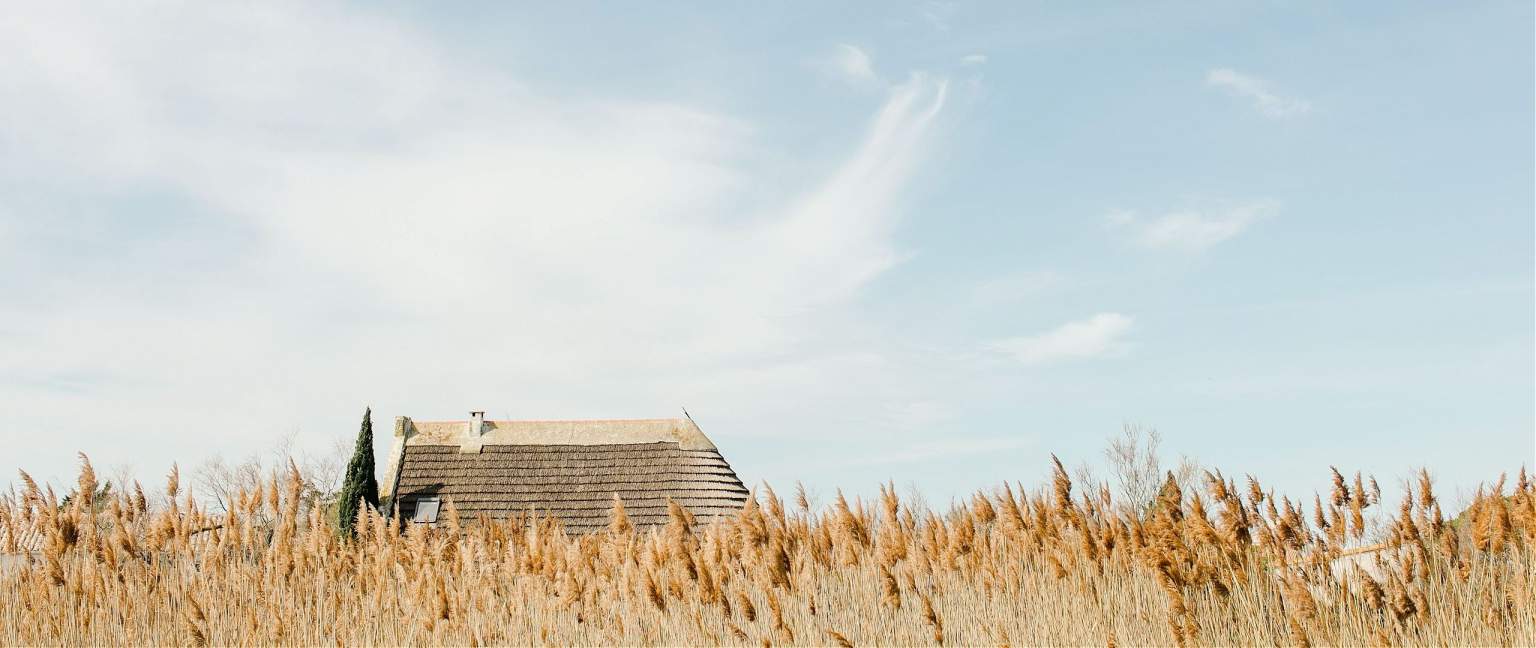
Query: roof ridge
{"points": [[577, 420]]}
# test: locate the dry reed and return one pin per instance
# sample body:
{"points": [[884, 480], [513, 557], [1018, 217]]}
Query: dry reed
{"points": [[1051, 567]]}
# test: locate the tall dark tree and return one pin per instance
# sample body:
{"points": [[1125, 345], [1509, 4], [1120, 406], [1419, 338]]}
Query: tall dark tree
{"points": [[360, 484]]}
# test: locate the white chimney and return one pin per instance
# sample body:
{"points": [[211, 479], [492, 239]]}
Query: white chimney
{"points": [[476, 424]]}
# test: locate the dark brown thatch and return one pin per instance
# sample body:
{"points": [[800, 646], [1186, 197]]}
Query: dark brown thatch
{"points": [[575, 483]]}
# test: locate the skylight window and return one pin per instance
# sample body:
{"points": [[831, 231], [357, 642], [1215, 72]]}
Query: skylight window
{"points": [[426, 511]]}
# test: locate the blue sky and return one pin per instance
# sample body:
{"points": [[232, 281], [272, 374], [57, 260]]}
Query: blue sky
{"points": [[930, 242]]}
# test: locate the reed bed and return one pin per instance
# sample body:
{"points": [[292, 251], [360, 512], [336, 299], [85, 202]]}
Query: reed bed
{"points": [[1232, 564]]}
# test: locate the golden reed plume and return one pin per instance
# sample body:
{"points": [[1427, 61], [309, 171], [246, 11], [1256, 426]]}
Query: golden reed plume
{"points": [[1052, 566]]}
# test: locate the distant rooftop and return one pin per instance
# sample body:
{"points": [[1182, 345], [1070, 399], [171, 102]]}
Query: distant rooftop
{"points": [[571, 470]]}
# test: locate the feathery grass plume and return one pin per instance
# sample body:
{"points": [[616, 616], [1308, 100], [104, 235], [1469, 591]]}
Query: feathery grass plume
{"points": [[524, 580], [890, 590], [1013, 514], [31, 495], [1420, 602], [851, 528], [1199, 522], [744, 604], [86, 484], [360, 523], [775, 506], [1061, 484], [54, 550], [890, 505], [1499, 522], [140, 503], [891, 542], [1427, 488], [451, 514], [1372, 592], [1341, 493], [1300, 598], [9, 543], [932, 618], [1298, 634], [751, 525], [1357, 506], [777, 612], [983, 509], [1399, 601], [196, 622], [1255, 492], [653, 592], [1057, 569], [440, 594], [619, 523], [679, 527], [839, 639], [173, 482], [778, 565], [1216, 485]]}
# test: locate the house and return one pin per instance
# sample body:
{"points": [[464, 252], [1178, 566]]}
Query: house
{"points": [[570, 470], [27, 544]]}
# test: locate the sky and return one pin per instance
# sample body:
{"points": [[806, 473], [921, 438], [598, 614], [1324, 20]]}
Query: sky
{"points": [[925, 242]]}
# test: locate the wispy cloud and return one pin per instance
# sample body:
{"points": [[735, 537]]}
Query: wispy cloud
{"points": [[1256, 90], [418, 210], [1191, 231], [973, 59], [1096, 336], [851, 64]]}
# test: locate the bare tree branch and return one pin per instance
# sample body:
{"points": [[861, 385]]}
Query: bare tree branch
{"points": [[1137, 470]]}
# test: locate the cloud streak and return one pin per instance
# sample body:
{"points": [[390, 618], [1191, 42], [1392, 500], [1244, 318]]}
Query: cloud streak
{"points": [[852, 64], [1191, 231], [1097, 336], [1258, 92], [386, 223]]}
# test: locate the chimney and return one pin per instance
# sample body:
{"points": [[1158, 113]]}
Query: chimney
{"points": [[476, 424]]}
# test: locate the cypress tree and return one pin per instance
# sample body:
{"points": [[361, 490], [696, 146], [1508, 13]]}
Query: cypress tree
{"points": [[360, 483]]}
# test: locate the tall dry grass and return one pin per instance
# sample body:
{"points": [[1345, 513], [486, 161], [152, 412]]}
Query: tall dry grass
{"points": [[1229, 565]]}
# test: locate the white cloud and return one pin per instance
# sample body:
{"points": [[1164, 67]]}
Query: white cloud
{"points": [[973, 59], [1257, 91], [852, 64], [1192, 231], [403, 227], [1096, 336]]}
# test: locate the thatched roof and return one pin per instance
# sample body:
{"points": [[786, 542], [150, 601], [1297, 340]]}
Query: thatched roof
{"points": [[27, 540], [33, 536], [567, 469]]}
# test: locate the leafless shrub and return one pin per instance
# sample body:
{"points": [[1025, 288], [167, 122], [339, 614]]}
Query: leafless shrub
{"points": [[1137, 469]]}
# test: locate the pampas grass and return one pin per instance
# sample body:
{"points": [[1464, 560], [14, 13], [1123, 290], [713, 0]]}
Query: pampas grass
{"points": [[1051, 566]]}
